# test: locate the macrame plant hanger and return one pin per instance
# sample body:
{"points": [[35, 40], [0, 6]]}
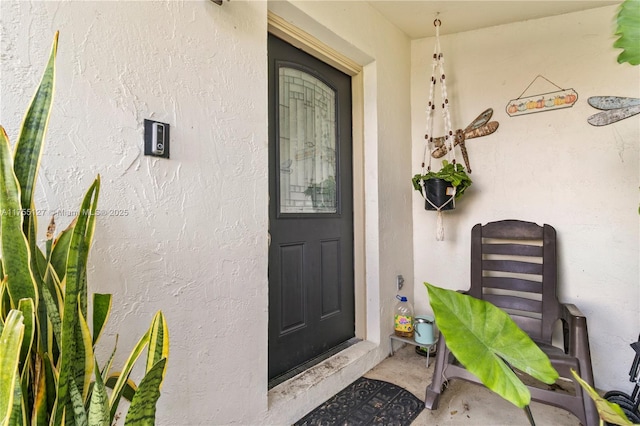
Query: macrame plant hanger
{"points": [[438, 67]]}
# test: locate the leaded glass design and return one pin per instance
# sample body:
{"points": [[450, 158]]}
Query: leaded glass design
{"points": [[307, 145]]}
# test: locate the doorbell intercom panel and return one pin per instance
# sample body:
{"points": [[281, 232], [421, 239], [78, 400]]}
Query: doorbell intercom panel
{"points": [[156, 139]]}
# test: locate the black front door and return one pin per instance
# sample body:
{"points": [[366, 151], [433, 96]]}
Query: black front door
{"points": [[311, 291]]}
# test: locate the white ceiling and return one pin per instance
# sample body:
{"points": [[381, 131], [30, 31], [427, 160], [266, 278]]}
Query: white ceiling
{"points": [[415, 18]]}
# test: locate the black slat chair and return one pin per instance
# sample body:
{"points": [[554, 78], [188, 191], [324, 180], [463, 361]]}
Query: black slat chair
{"points": [[513, 266]]}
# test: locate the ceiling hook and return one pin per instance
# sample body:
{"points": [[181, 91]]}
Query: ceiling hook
{"points": [[437, 22]]}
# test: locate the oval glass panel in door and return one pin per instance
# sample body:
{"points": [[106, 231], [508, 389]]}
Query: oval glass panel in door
{"points": [[307, 143]]}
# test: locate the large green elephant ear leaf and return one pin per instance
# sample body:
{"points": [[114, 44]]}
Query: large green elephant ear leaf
{"points": [[484, 339], [628, 31]]}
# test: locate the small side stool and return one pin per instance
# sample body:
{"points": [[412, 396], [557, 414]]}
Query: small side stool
{"points": [[428, 346]]}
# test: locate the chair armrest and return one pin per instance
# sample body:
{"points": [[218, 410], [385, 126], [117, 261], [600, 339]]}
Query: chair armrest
{"points": [[573, 323], [571, 310], [576, 336]]}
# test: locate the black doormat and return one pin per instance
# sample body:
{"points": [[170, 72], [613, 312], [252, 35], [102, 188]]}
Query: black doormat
{"points": [[366, 402]]}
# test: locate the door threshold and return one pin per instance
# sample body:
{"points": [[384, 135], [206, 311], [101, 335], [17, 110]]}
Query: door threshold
{"points": [[311, 363], [292, 399]]}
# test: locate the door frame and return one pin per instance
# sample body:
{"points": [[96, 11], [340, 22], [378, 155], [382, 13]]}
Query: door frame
{"points": [[309, 44]]}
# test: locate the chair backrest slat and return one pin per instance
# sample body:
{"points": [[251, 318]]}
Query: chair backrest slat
{"points": [[513, 249], [513, 266], [514, 303], [513, 229], [530, 325], [510, 283]]}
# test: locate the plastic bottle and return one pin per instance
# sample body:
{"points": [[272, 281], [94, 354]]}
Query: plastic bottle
{"points": [[403, 318]]}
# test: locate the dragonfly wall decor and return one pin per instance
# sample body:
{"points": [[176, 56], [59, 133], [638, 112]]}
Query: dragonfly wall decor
{"points": [[615, 108], [481, 126]]}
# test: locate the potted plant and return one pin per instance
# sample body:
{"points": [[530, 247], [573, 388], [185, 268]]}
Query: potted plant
{"points": [[440, 189], [49, 373]]}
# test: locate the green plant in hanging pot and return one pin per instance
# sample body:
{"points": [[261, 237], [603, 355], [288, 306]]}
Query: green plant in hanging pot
{"points": [[441, 188], [49, 374]]}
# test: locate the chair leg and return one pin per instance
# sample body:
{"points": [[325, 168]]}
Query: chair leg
{"points": [[591, 413], [434, 390], [432, 398], [580, 345]]}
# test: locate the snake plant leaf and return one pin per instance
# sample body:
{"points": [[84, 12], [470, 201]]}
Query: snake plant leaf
{"points": [[628, 30], [60, 250], [609, 412], [10, 345], [40, 398], [28, 150], [484, 339], [84, 356], [123, 377], [75, 414], [5, 300], [130, 386], [74, 280], [49, 307], [159, 341], [157, 338], [26, 368], [99, 405], [27, 308], [16, 258], [38, 261], [53, 303], [107, 367], [101, 310], [18, 413], [142, 411]]}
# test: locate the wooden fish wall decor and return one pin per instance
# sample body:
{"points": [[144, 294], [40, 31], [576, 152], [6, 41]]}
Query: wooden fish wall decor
{"points": [[481, 126], [614, 108]]}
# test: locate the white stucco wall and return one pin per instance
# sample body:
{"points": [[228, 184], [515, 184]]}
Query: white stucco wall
{"points": [[551, 167], [194, 240], [194, 243]]}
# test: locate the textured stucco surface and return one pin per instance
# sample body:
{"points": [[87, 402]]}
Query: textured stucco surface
{"points": [[193, 242], [550, 167]]}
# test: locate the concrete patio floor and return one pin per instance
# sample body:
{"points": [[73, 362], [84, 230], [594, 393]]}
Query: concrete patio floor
{"points": [[462, 403]]}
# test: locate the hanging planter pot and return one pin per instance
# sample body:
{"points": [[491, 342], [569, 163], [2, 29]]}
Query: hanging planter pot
{"points": [[439, 194], [440, 189]]}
